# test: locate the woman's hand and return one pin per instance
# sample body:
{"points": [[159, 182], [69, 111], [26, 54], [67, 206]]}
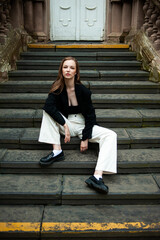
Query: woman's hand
{"points": [[84, 145], [67, 133]]}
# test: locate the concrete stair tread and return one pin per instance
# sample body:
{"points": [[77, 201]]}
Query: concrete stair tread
{"points": [[127, 138], [103, 65], [102, 87], [82, 72], [81, 53], [40, 97], [81, 63], [80, 222], [91, 84], [105, 117], [27, 161], [71, 189]]}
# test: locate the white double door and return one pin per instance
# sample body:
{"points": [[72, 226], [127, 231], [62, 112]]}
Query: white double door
{"points": [[77, 19]]}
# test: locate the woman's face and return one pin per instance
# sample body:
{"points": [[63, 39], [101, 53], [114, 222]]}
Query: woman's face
{"points": [[69, 69]]}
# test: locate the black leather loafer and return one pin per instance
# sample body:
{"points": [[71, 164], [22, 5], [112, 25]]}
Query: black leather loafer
{"points": [[98, 185], [50, 158]]}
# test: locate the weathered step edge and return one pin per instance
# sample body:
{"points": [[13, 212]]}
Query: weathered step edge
{"points": [[137, 222], [27, 161]]}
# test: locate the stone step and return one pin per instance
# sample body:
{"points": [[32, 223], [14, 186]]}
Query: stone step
{"points": [[27, 138], [72, 190], [120, 101], [84, 65], [129, 161], [86, 75], [134, 222], [105, 117], [77, 47], [94, 86], [88, 56]]}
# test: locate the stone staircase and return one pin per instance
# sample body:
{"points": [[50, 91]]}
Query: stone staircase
{"points": [[54, 202]]}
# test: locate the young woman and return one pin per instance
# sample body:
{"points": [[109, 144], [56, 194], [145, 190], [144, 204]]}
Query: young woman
{"points": [[68, 110]]}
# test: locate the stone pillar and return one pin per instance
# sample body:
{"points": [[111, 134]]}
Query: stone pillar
{"points": [[39, 20], [28, 16], [2, 22], [137, 14], [126, 16], [116, 21], [116, 17], [17, 17]]}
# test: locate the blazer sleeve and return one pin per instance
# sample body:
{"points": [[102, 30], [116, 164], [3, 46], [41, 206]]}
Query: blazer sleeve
{"points": [[51, 108], [90, 117]]}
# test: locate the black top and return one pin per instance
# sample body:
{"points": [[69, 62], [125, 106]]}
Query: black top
{"points": [[57, 103], [74, 109]]}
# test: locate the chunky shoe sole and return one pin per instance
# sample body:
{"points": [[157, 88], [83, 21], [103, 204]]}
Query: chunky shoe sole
{"points": [[45, 164], [95, 186]]}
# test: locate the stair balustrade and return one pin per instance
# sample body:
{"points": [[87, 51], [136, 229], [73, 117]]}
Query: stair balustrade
{"points": [[5, 24], [151, 24]]}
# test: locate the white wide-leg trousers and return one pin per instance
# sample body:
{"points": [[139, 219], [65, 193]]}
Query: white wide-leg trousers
{"points": [[107, 159]]}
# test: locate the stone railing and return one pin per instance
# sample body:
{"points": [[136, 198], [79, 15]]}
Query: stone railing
{"points": [[5, 21], [151, 24], [146, 40]]}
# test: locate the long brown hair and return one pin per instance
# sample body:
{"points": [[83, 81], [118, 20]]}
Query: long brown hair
{"points": [[59, 83]]}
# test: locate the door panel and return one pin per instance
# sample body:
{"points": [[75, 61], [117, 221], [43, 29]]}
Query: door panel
{"points": [[77, 19], [63, 19], [92, 20]]}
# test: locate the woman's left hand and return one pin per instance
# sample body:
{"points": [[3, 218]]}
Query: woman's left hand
{"points": [[84, 145]]}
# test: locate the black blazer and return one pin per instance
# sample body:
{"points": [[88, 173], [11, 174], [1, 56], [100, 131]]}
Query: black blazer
{"points": [[58, 103]]}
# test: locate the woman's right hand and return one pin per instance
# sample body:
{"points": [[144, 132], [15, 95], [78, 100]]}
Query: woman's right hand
{"points": [[67, 133]]}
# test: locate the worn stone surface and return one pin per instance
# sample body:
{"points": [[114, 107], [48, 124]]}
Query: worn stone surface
{"points": [[31, 185], [125, 136], [21, 221], [21, 213], [9, 115], [118, 115], [19, 161], [147, 53], [123, 98], [124, 73], [123, 84], [31, 135], [119, 185], [54, 65], [140, 157], [10, 135], [33, 156], [122, 135], [157, 179], [102, 214], [2, 153], [23, 97], [48, 73], [144, 135], [150, 114]]}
